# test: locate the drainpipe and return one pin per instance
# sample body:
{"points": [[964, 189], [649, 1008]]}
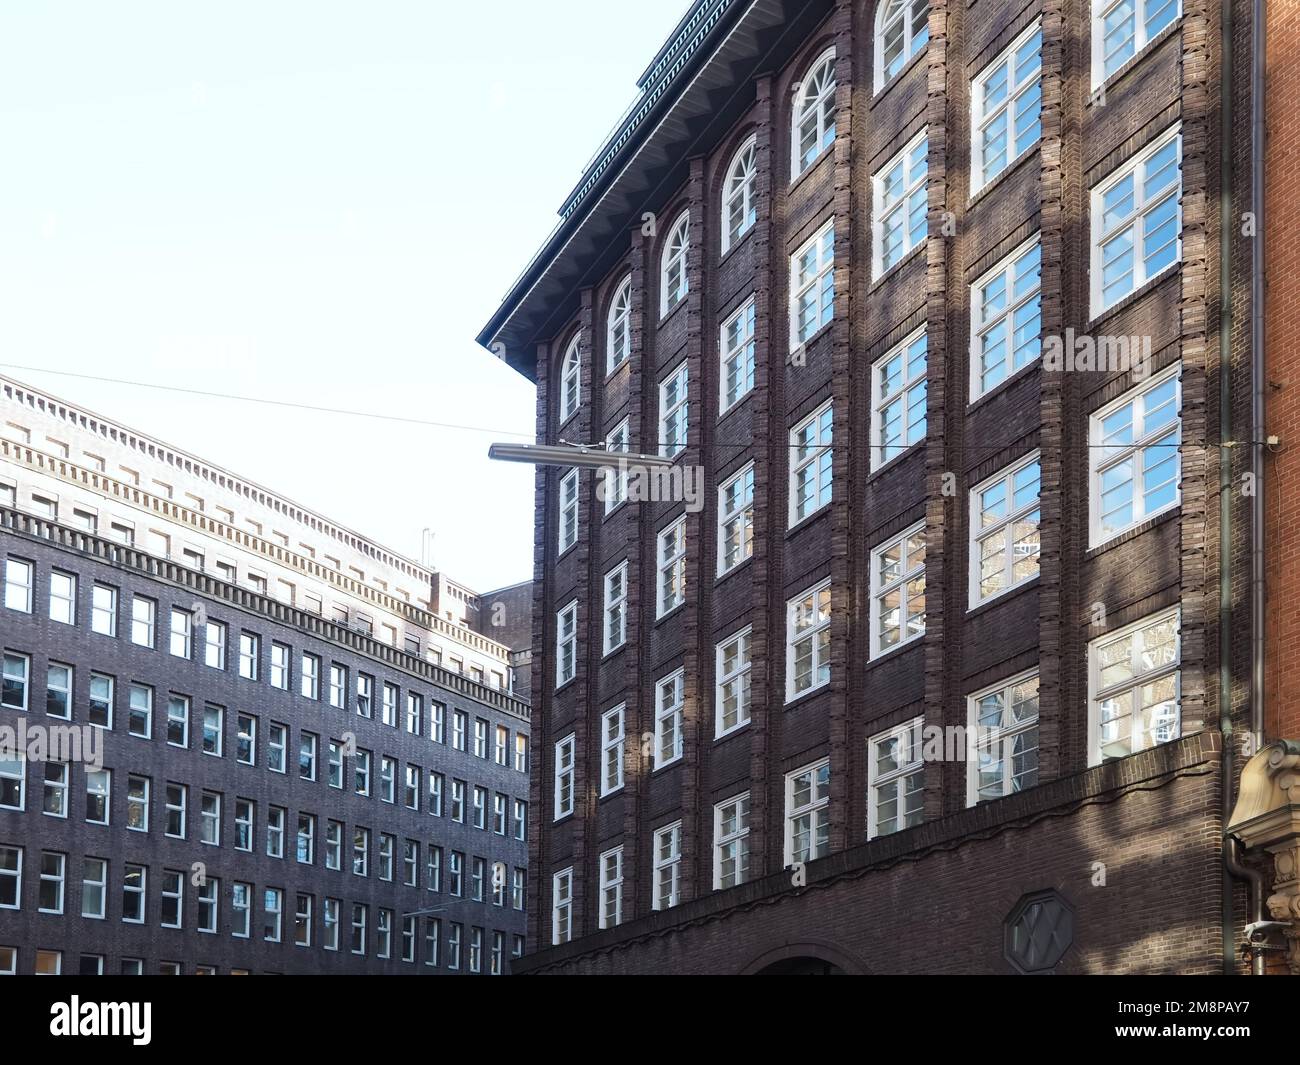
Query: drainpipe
{"points": [[1254, 892], [1257, 366]]}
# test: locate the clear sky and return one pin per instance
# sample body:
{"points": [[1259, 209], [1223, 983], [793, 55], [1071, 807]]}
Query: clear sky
{"points": [[314, 201]]}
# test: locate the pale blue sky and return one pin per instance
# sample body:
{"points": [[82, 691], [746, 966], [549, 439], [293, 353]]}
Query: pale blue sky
{"points": [[315, 201]]}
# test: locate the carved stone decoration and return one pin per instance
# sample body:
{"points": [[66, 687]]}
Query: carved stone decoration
{"points": [[1266, 820]]}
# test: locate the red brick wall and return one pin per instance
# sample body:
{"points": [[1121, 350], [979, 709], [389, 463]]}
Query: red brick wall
{"points": [[1282, 344]]}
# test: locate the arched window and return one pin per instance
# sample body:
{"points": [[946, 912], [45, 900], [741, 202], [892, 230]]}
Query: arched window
{"points": [[739, 210], [618, 340], [814, 114], [902, 29], [673, 284], [570, 380]]}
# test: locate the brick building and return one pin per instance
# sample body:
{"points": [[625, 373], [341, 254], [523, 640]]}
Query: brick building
{"points": [[937, 298], [261, 782]]}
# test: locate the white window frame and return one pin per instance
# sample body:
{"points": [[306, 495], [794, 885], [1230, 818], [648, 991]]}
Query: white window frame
{"points": [[815, 810], [812, 456], [1003, 528], [611, 888], [63, 597], [1102, 458], [20, 584], [888, 14], [612, 742], [1140, 678], [737, 838], [733, 681], [566, 531], [614, 479], [1141, 36], [571, 379], [564, 781], [814, 107], [880, 208], [740, 194], [674, 416], [736, 519], [908, 737], [618, 327], [806, 605], [1002, 736], [566, 644], [674, 277], [614, 616], [812, 277], [670, 567], [1132, 220], [909, 572], [667, 879], [561, 907], [1018, 85], [669, 718], [984, 318], [103, 615], [910, 385], [737, 347]]}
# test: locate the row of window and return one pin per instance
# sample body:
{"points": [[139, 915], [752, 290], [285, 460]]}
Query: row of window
{"points": [[1134, 476], [1133, 705], [183, 632], [467, 805]]}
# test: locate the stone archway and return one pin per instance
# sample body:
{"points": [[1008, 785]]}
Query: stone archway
{"points": [[804, 959]]}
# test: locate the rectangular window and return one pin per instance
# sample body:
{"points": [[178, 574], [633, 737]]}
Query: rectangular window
{"points": [[670, 700], [566, 648], [568, 519], [611, 888], [433, 872], [1122, 28], [365, 695], [338, 686], [361, 772], [245, 822], [411, 792], [611, 750], [415, 714], [100, 701], [361, 852], [435, 793], [731, 699], [143, 620], [53, 877], [214, 727], [275, 816], [63, 598], [613, 487], [94, 888], [1004, 721], [1135, 458], [1133, 688], [460, 728], [58, 691], [176, 801], [389, 696], [334, 845], [387, 779], [564, 757], [178, 721], [214, 644], [302, 919], [272, 914], [615, 627], [455, 873], [11, 877], [895, 779], [501, 746], [667, 866], [807, 813], [518, 889], [99, 783], [1006, 326], [1137, 221], [731, 842], [135, 885], [737, 347], [139, 712], [480, 738], [1006, 99], [521, 820], [561, 907], [173, 898], [210, 818], [277, 744], [812, 286], [13, 777], [674, 410], [432, 934], [898, 399], [280, 666], [808, 641], [331, 921], [137, 804], [898, 591], [103, 610], [383, 933], [246, 739], [521, 753], [811, 459], [209, 894], [20, 579], [437, 723], [306, 848], [310, 676], [180, 644], [307, 744], [1004, 530], [249, 655], [670, 568], [453, 945], [54, 801], [13, 689], [899, 206], [736, 519]]}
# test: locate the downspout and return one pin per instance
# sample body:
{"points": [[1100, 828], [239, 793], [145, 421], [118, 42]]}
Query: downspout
{"points": [[1255, 892], [1257, 380]]}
